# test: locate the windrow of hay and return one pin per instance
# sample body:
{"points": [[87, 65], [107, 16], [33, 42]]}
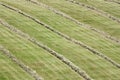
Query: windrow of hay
{"points": [[105, 14], [115, 1], [60, 57], [62, 35], [21, 64], [76, 21]]}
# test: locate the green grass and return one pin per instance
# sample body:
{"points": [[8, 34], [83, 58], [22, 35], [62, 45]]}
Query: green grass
{"points": [[90, 17], [46, 65], [109, 7], [84, 35], [96, 67], [10, 71]]}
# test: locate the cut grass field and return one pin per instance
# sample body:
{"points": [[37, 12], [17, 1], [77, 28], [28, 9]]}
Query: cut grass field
{"points": [[48, 66], [38, 59], [89, 17], [10, 71], [109, 7], [67, 27], [114, 1]]}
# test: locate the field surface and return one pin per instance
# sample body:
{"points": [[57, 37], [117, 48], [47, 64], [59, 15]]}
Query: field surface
{"points": [[60, 39], [10, 71]]}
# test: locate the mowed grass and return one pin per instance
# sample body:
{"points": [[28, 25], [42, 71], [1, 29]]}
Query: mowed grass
{"points": [[65, 26], [46, 65], [94, 66], [10, 71], [109, 7], [89, 17]]}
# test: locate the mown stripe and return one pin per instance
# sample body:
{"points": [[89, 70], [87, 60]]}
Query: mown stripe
{"points": [[21, 64], [9, 70], [105, 14], [64, 36], [104, 34], [60, 57], [87, 16], [114, 1], [45, 64]]}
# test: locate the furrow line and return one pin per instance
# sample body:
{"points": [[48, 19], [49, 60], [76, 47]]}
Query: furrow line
{"points": [[76, 21], [64, 36], [21, 64], [105, 14], [57, 55], [115, 1]]}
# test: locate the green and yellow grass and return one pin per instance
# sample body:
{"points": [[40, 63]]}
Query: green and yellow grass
{"points": [[90, 17], [38, 59], [10, 71], [48, 66], [65, 26], [109, 7]]}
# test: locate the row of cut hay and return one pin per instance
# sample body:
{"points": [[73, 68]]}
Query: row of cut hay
{"points": [[22, 65], [76, 21], [64, 36], [60, 57], [115, 1], [105, 14]]}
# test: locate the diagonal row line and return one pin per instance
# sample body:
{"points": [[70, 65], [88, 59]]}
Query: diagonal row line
{"points": [[34, 52], [104, 34], [111, 49], [62, 35], [101, 12], [115, 1], [41, 4], [59, 56], [21, 64]]}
